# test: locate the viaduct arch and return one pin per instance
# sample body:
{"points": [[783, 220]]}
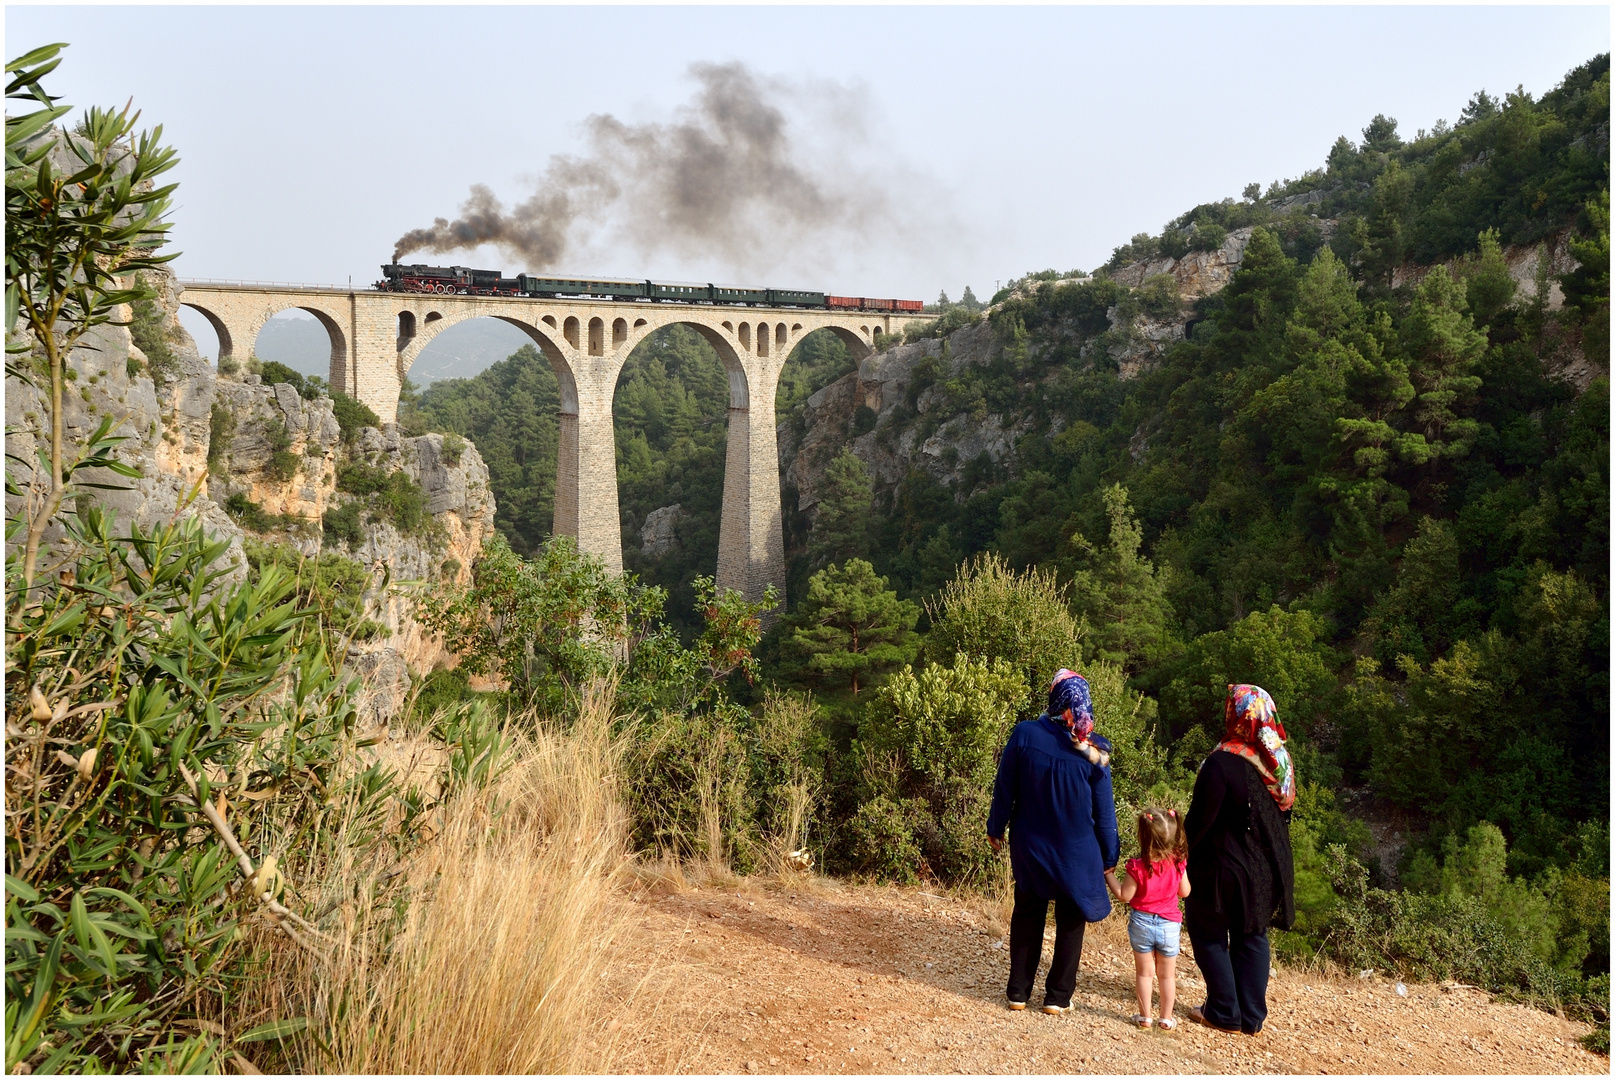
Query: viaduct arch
{"points": [[377, 336]]}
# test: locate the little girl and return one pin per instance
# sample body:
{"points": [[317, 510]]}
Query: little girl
{"points": [[1152, 888]]}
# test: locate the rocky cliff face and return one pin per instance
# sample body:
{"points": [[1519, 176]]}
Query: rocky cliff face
{"points": [[895, 442], [278, 450], [202, 440], [166, 424], [918, 425]]}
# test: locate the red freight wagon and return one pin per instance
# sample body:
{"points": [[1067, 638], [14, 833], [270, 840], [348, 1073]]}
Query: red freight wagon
{"points": [[871, 304], [909, 305], [846, 302]]}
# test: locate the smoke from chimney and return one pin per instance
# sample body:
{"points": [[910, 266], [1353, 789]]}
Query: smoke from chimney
{"points": [[723, 182]]}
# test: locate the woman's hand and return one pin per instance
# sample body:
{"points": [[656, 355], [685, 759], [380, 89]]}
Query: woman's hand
{"points": [[1123, 891], [998, 844]]}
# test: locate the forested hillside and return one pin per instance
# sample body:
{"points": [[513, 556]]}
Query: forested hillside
{"points": [[671, 411], [1371, 478], [1366, 469]]}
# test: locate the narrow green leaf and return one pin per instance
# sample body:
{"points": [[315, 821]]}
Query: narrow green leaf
{"points": [[275, 1029], [21, 889]]}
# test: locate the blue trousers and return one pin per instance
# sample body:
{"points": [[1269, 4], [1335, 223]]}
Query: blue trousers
{"points": [[1235, 967]]}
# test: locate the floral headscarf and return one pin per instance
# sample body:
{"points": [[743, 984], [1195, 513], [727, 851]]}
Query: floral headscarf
{"points": [[1255, 734], [1071, 705]]}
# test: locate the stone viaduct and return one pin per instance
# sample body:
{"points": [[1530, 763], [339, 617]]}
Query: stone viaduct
{"points": [[376, 336]]}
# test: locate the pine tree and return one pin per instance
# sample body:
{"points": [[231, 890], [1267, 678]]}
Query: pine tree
{"points": [[850, 628], [1443, 346], [1381, 236], [841, 529], [1488, 286], [1117, 591]]}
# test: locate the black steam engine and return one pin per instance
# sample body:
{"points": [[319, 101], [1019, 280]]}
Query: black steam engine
{"points": [[464, 281]]}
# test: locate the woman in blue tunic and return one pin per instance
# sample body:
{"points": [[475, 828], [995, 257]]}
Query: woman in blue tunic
{"points": [[1053, 792]]}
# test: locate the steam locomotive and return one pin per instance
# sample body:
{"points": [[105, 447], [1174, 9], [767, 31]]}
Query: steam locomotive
{"points": [[464, 281]]}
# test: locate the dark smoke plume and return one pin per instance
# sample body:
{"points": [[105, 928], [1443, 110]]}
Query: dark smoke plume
{"points": [[723, 182]]}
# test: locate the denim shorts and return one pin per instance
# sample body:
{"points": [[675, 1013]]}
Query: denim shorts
{"points": [[1152, 933]]}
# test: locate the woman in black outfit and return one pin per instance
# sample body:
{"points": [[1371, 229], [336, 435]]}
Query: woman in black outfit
{"points": [[1240, 870]]}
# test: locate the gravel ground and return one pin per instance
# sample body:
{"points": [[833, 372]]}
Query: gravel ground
{"points": [[819, 977]]}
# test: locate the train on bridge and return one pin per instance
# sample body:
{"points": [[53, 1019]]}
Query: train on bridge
{"points": [[464, 281]]}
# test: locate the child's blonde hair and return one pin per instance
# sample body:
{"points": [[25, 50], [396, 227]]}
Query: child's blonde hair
{"points": [[1160, 837]]}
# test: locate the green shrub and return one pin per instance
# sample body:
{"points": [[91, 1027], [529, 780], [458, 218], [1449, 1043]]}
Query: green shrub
{"points": [[282, 466], [331, 584], [439, 692], [1596, 1003], [881, 839], [403, 502], [273, 372], [123, 911], [221, 431], [1209, 237], [786, 752], [927, 748], [523, 621], [392, 497], [229, 365], [248, 513], [453, 447], [686, 785], [991, 612], [357, 478], [342, 524], [722, 784], [351, 415], [1158, 296], [955, 318], [1450, 935]]}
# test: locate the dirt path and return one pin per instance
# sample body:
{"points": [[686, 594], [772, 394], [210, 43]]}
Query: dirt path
{"points": [[843, 979]]}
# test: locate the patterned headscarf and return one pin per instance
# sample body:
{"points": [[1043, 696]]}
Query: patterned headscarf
{"points": [[1255, 734], [1071, 705]]}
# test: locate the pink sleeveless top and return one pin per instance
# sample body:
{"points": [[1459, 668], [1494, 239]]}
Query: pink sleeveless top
{"points": [[1158, 892]]}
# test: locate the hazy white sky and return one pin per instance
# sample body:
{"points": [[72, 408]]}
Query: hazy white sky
{"points": [[1007, 139]]}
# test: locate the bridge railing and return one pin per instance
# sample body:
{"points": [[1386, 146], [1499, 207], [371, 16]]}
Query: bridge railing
{"points": [[289, 285]]}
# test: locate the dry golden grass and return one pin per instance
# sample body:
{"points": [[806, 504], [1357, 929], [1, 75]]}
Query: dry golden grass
{"points": [[489, 957]]}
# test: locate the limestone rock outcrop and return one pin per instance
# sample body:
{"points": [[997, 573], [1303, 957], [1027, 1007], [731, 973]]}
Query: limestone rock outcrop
{"points": [[279, 452], [164, 420], [659, 536], [267, 423], [902, 386]]}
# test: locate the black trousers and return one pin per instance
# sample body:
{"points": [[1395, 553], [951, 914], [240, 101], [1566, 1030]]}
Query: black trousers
{"points": [[1235, 967], [1026, 948]]}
